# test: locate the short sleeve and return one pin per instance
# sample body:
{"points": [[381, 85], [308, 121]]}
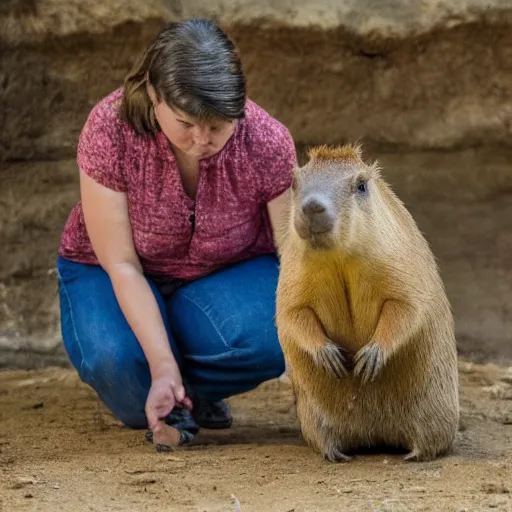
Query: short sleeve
{"points": [[277, 164], [101, 148]]}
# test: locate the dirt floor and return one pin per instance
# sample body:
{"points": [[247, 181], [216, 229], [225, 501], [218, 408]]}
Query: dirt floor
{"points": [[60, 449]]}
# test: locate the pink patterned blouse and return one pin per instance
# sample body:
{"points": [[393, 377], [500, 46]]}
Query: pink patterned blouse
{"points": [[175, 236]]}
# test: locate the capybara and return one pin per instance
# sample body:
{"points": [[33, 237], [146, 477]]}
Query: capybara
{"points": [[362, 315]]}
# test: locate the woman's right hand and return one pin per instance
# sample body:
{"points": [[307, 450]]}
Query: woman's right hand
{"points": [[108, 225], [166, 391]]}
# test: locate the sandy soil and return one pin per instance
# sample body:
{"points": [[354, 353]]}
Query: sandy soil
{"points": [[60, 449]]}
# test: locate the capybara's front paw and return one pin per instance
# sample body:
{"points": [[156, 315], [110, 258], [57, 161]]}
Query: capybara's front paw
{"points": [[332, 358], [368, 362]]}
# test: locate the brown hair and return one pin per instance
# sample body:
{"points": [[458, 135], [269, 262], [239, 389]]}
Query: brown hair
{"points": [[193, 66]]}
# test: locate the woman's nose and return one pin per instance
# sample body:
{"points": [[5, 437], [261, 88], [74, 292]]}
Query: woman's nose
{"points": [[202, 136]]}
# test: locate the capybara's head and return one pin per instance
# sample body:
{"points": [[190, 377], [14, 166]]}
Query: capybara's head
{"points": [[336, 198]]}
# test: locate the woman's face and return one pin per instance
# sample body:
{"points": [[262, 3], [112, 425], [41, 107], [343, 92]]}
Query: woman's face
{"points": [[195, 139]]}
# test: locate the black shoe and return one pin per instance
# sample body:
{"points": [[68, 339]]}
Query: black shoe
{"points": [[181, 418], [214, 415]]}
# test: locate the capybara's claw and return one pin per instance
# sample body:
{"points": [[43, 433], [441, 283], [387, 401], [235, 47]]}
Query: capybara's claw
{"points": [[368, 362], [332, 359], [413, 456], [336, 455]]}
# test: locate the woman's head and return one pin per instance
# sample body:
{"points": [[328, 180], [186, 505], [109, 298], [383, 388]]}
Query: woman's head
{"points": [[190, 84]]}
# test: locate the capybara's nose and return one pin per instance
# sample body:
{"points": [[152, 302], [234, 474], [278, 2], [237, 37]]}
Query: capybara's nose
{"points": [[318, 214], [312, 206]]}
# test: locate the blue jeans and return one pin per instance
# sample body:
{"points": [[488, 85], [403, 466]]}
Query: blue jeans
{"points": [[221, 330]]}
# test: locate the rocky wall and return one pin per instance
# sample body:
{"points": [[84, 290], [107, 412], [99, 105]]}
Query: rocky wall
{"points": [[427, 86]]}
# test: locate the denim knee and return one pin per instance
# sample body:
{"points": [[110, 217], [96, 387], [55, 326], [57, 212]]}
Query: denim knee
{"points": [[100, 343], [271, 360], [265, 359], [120, 381]]}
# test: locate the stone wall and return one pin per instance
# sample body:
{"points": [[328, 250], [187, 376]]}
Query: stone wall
{"points": [[393, 72], [426, 86], [57, 59]]}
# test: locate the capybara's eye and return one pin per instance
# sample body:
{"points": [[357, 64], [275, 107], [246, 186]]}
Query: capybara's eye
{"points": [[361, 187]]}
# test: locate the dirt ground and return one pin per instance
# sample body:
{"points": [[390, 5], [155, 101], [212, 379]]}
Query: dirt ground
{"points": [[60, 449]]}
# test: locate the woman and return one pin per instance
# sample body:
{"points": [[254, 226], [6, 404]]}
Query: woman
{"points": [[167, 267]]}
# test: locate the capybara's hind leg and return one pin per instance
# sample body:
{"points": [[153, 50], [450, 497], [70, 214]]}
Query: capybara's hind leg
{"points": [[319, 434], [432, 441]]}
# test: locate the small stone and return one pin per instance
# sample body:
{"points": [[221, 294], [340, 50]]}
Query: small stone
{"points": [[497, 392], [494, 488], [466, 367], [507, 376], [498, 502], [23, 482]]}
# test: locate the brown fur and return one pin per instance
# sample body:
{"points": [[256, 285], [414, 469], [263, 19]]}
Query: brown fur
{"points": [[347, 153], [372, 288]]}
